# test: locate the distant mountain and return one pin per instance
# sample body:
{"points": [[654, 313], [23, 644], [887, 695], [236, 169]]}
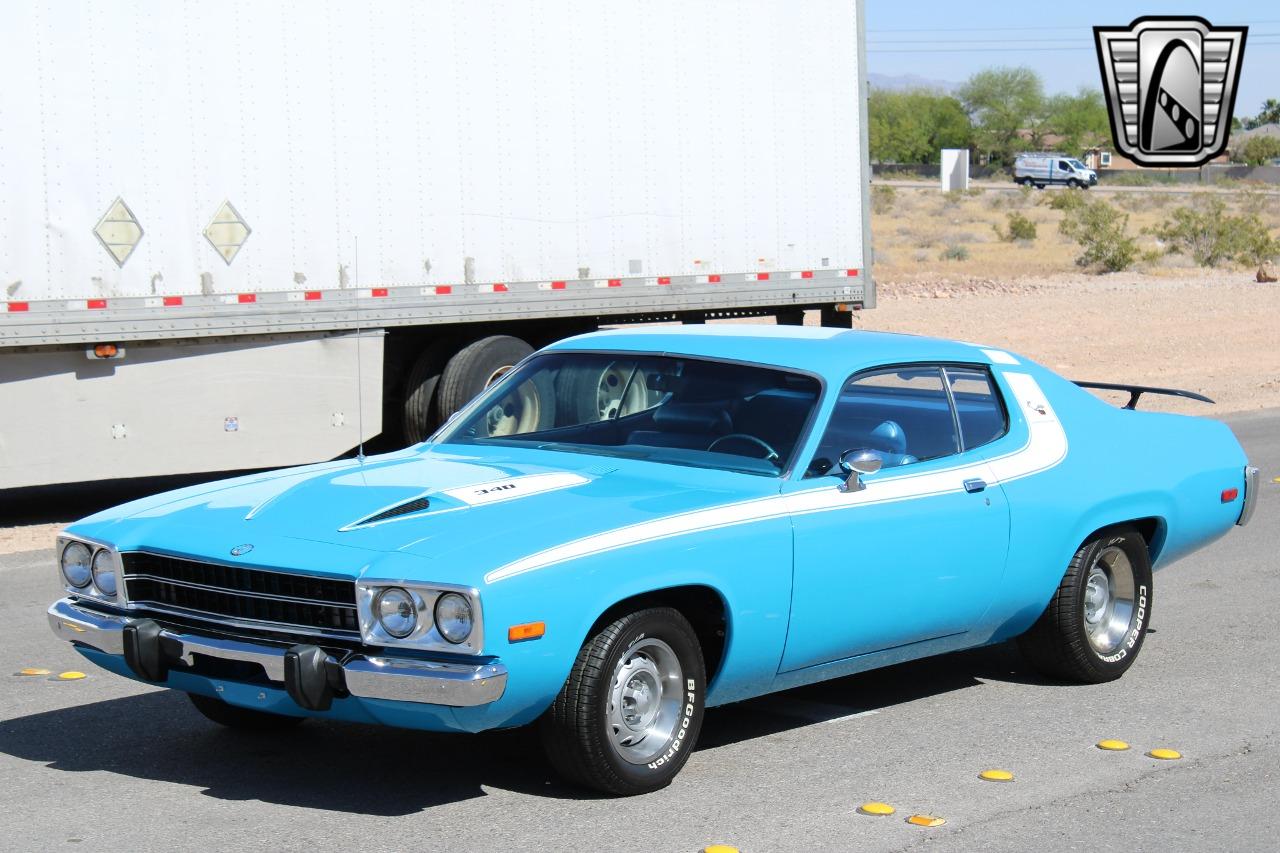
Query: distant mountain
{"points": [[899, 82]]}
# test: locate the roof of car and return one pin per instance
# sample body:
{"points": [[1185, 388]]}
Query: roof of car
{"points": [[832, 353]]}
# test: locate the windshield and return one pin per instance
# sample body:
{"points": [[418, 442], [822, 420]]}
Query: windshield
{"points": [[680, 411], [1076, 164]]}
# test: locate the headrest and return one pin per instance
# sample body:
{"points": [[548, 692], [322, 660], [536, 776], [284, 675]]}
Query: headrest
{"points": [[891, 436], [708, 418]]}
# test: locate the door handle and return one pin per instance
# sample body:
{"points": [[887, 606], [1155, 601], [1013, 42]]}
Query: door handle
{"points": [[974, 485]]}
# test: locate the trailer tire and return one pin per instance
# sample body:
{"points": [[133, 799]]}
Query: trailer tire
{"points": [[419, 414], [474, 367]]}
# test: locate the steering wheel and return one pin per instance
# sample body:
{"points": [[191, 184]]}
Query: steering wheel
{"points": [[770, 454]]}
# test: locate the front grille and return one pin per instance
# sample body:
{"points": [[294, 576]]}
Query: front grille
{"points": [[231, 592]]}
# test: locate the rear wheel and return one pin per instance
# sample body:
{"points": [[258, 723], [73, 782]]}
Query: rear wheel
{"points": [[419, 413], [1094, 626], [630, 711], [235, 717], [474, 368]]}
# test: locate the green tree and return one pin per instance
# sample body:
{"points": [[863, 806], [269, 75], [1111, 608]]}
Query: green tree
{"points": [[1080, 119], [1269, 114], [912, 126], [1258, 150], [1002, 102]]}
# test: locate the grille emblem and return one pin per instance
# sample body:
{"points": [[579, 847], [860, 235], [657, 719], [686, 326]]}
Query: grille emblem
{"points": [[227, 232], [118, 231], [240, 550], [1170, 85]]}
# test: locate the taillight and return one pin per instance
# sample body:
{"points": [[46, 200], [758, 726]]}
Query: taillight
{"points": [[1228, 495]]}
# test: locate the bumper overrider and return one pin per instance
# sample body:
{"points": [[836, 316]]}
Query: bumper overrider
{"points": [[312, 677]]}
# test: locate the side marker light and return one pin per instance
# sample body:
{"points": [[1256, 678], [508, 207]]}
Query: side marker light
{"points": [[527, 631]]}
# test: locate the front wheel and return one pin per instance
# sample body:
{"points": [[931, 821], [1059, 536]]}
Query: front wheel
{"points": [[630, 711], [1094, 626]]}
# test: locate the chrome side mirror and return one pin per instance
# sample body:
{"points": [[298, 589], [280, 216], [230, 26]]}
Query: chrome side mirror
{"points": [[855, 463]]}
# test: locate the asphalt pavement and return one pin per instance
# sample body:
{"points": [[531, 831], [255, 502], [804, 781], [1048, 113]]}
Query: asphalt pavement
{"points": [[103, 763]]}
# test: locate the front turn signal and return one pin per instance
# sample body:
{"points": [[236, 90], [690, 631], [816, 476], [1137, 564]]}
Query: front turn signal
{"points": [[527, 631]]}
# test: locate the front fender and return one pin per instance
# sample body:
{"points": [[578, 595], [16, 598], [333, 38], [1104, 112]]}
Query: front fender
{"points": [[749, 566]]}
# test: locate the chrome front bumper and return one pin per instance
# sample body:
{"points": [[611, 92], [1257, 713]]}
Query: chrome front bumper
{"points": [[369, 677], [1250, 495]]}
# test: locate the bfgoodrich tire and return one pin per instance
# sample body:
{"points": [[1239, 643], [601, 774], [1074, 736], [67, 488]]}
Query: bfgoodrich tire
{"points": [[1094, 626], [630, 711], [235, 717]]}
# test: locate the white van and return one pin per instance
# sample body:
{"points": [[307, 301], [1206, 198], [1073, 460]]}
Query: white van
{"points": [[1044, 169]]}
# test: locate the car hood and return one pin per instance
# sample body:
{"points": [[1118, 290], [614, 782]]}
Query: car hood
{"points": [[445, 513]]}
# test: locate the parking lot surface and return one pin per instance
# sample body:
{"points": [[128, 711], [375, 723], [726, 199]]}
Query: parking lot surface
{"points": [[104, 763]]}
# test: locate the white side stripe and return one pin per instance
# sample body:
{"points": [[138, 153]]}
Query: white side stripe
{"points": [[1046, 446]]}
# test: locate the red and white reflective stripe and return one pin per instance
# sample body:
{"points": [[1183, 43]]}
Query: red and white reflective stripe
{"points": [[374, 293], [757, 276], [436, 290], [708, 279], [493, 288], [851, 273], [15, 307], [163, 301], [239, 298], [86, 305], [608, 282], [551, 285], [804, 274], [305, 296]]}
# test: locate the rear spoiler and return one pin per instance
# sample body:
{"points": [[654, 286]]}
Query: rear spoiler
{"points": [[1136, 391]]}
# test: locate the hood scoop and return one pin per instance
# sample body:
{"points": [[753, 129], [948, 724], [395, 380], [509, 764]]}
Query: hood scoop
{"points": [[407, 508]]}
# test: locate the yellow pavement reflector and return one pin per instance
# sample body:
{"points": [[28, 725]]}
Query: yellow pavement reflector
{"points": [[1166, 754], [925, 820], [876, 809], [1114, 745], [720, 848], [996, 775], [32, 670], [72, 675]]}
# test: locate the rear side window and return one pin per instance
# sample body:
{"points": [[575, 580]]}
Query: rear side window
{"points": [[902, 413], [979, 409]]}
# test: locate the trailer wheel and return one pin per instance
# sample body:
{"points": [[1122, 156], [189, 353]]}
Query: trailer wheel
{"points": [[419, 416], [474, 368]]}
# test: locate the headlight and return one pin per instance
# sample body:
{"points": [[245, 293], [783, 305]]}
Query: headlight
{"points": [[395, 612], [104, 572], [453, 617], [76, 569]]}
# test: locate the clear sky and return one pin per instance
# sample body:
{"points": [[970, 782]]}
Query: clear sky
{"points": [[951, 40]]}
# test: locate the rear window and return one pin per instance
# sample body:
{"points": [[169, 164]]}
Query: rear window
{"points": [[978, 406]]}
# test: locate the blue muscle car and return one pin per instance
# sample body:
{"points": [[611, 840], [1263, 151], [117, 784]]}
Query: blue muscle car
{"points": [[633, 525]]}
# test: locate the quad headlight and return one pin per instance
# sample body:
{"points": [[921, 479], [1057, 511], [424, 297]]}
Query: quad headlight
{"points": [[104, 572], [77, 562], [396, 612], [430, 617], [453, 617]]}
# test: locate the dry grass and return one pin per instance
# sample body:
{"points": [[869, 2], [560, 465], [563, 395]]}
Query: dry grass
{"points": [[921, 220]]}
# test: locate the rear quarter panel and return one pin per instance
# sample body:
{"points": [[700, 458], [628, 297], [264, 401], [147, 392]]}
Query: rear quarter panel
{"points": [[1121, 465]]}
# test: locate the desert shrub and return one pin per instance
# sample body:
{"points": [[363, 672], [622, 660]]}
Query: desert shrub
{"points": [[1138, 178], [882, 198], [1064, 200], [1020, 227], [975, 190], [1259, 150], [1101, 231], [1207, 234], [954, 252], [920, 257], [952, 198]]}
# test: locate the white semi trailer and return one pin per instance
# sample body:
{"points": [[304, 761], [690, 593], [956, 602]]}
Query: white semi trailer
{"points": [[243, 234]]}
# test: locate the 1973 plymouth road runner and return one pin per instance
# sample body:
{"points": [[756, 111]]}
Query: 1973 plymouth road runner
{"points": [[633, 525]]}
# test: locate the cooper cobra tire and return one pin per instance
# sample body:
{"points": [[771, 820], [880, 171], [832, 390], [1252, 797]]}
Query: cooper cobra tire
{"points": [[1094, 626], [638, 744], [419, 413], [235, 717], [474, 367]]}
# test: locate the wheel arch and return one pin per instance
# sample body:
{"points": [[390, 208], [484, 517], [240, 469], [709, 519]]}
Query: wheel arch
{"points": [[704, 606], [1152, 528]]}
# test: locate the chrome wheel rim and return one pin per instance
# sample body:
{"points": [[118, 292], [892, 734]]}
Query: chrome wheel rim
{"points": [[1109, 600], [644, 700]]}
